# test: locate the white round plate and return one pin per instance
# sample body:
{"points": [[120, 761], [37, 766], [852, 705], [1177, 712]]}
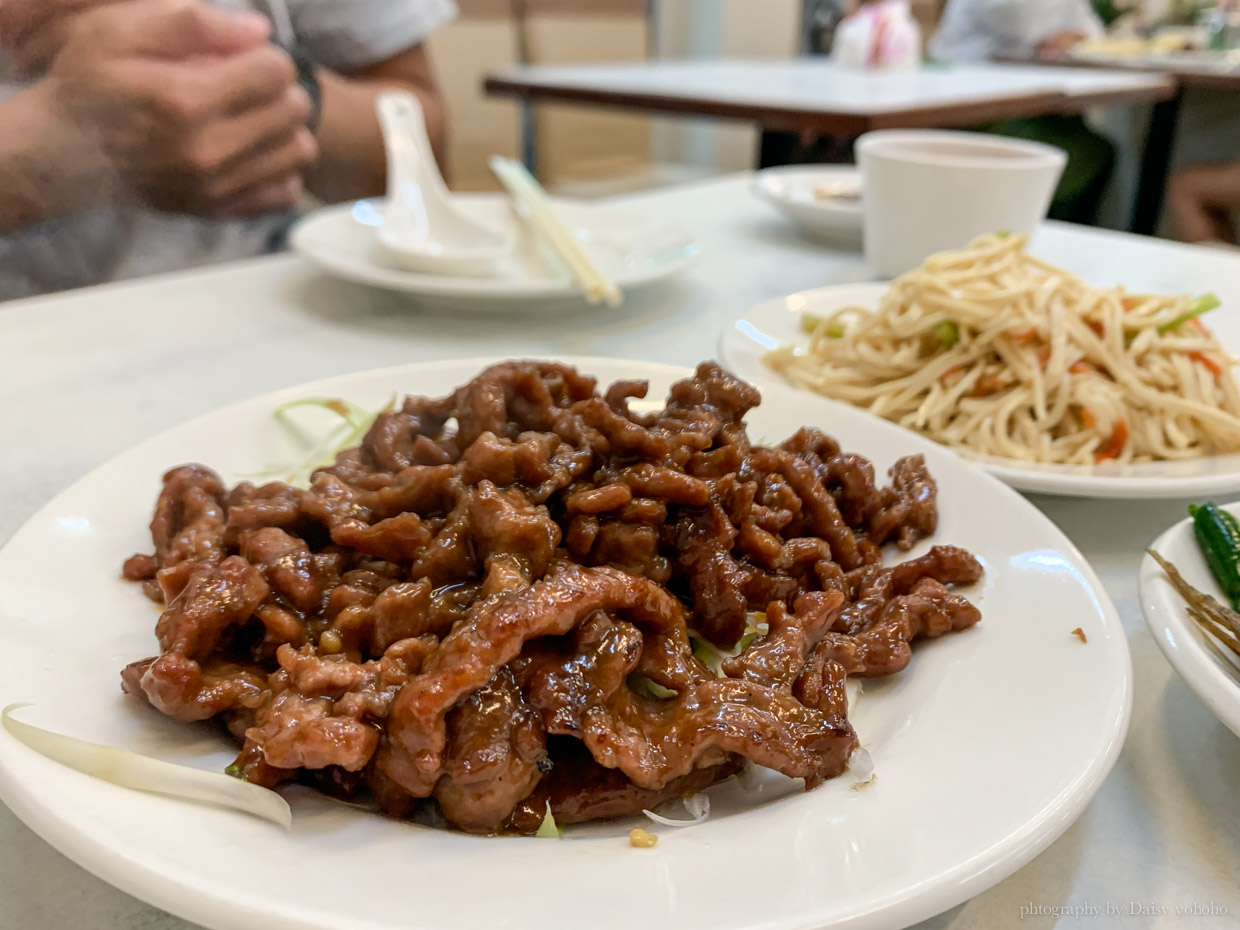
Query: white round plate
{"points": [[778, 322], [634, 251], [981, 763], [1215, 681], [791, 191], [1207, 62]]}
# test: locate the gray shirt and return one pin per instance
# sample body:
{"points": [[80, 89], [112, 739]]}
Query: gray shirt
{"points": [[977, 30], [110, 243]]}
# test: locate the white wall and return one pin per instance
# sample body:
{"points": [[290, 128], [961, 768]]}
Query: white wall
{"points": [[719, 29]]}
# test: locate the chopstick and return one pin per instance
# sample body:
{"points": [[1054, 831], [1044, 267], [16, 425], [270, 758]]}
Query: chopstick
{"points": [[533, 203]]}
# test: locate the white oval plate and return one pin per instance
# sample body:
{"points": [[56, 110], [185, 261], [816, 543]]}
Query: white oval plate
{"points": [[1207, 62], [791, 189], [1213, 680], [778, 322], [634, 251], [980, 763]]}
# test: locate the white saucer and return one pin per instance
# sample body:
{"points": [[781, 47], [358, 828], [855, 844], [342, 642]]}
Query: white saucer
{"points": [[635, 251], [792, 191]]}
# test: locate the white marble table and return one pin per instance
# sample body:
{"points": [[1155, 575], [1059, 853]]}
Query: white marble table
{"points": [[789, 98], [813, 94], [86, 375]]}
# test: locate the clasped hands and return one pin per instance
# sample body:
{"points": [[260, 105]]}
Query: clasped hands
{"points": [[173, 104]]}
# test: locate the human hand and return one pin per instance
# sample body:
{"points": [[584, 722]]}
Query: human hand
{"points": [[185, 105], [1057, 45], [34, 31]]}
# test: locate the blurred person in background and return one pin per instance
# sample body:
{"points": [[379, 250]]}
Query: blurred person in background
{"points": [[980, 30], [1204, 202], [820, 20], [139, 136]]}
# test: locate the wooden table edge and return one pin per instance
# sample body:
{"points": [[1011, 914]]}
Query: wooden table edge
{"points": [[773, 117], [1103, 98]]}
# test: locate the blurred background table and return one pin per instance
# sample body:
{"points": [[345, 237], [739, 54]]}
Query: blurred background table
{"points": [[1165, 828], [584, 149], [813, 95], [1184, 73], [793, 100]]}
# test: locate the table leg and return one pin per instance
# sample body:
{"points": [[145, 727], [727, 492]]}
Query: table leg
{"points": [[776, 148], [1155, 165], [529, 137]]}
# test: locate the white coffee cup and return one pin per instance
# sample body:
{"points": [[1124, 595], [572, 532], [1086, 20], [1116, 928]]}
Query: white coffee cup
{"points": [[930, 190]]}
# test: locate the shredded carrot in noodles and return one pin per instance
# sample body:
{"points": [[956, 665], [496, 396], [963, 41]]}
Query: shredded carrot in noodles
{"points": [[1045, 367]]}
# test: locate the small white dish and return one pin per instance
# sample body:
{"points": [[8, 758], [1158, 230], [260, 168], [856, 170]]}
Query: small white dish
{"points": [[634, 251], [1215, 680], [981, 763], [778, 322], [426, 231], [1198, 60], [796, 191]]}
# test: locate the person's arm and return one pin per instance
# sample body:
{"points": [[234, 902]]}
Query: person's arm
{"points": [[352, 162], [1025, 27], [961, 36], [1086, 21], [1079, 22], [1056, 46], [1204, 202], [36, 182], [178, 105]]}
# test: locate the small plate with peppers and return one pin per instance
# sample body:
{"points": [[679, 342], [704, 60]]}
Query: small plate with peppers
{"points": [[1190, 593]]}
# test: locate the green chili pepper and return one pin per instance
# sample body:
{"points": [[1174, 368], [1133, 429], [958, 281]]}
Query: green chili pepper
{"points": [[1218, 534]]}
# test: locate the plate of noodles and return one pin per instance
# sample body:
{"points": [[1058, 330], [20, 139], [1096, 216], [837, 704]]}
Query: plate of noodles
{"points": [[456, 626], [1051, 384]]}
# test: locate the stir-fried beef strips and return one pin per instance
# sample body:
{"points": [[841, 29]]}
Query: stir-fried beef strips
{"points": [[477, 605]]}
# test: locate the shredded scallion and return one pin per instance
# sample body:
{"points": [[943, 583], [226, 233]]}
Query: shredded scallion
{"points": [[324, 448], [946, 332], [142, 773], [697, 806], [811, 323], [549, 829], [647, 688], [1201, 305], [712, 656]]}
